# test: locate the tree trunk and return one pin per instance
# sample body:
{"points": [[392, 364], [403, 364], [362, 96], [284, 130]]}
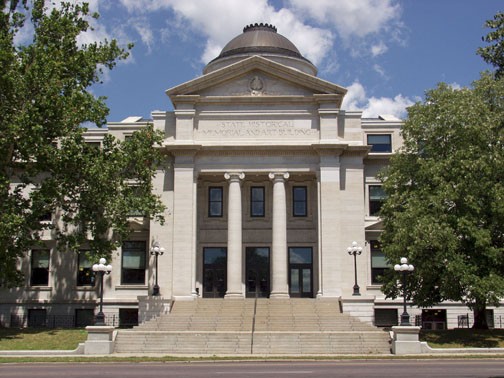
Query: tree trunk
{"points": [[480, 321]]}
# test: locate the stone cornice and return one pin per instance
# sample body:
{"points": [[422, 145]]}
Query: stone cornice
{"points": [[182, 149], [358, 150], [330, 148]]}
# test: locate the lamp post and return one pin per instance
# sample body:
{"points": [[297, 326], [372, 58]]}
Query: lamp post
{"points": [[156, 251], [355, 250], [405, 268], [101, 269]]}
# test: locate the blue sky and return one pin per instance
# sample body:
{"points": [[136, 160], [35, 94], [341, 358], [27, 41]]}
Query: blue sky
{"points": [[387, 53]]}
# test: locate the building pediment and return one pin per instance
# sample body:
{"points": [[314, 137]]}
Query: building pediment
{"points": [[254, 79]]}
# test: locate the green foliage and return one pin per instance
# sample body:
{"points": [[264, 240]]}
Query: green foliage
{"points": [[494, 53], [445, 205], [45, 166], [103, 186]]}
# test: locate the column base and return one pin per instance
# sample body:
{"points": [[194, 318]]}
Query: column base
{"points": [[234, 296], [279, 296]]}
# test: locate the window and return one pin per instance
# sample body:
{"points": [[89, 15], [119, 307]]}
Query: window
{"points": [[385, 317], [133, 263], [257, 201], [85, 275], [489, 314], [376, 198], [380, 142], [378, 262], [39, 267], [215, 201], [37, 317], [128, 317], [299, 201], [434, 319]]}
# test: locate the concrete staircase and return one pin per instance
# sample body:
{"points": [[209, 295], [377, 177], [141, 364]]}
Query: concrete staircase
{"points": [[259, 327]]}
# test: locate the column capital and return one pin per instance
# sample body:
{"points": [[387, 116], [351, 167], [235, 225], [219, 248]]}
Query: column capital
{"points": [[234, 176], [279, 176]]}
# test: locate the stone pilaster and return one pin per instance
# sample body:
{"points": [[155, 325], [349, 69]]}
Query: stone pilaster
{"points": [[184, 225], [234, 247], [279, 277]]}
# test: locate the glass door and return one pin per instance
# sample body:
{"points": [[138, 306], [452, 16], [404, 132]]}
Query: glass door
{"points": [[258, 272], [214, 272], [300, 272]]}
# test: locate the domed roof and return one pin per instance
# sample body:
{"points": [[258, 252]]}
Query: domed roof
{"points": [[260, 38]]}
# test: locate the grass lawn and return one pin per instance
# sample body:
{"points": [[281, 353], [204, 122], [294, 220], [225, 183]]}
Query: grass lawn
{"points": [[464, 338], [40, 338]]}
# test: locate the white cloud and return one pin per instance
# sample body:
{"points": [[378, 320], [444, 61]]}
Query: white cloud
{"points": [[312, 26], [455, 86], [216, 20], [97, 33], [212, 50], [142, 27], [313, 43], [380, 70], [357, 99], [219, 20], [350, 17], [386, 105], [355, 96], [379, 49]]}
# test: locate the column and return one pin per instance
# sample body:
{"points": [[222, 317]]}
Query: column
{"points": [[279, 261], [183, 249], [234, 245]]}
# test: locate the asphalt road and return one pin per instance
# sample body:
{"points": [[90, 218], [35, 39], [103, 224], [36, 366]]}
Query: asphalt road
{"points": [[491, 368]]}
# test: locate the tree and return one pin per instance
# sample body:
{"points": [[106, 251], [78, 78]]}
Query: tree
{"points": [[45, 164], [494, 54], [445, 205]]}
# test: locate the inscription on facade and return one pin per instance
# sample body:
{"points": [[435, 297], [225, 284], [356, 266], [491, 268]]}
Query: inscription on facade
{"points": [[257, 128]]}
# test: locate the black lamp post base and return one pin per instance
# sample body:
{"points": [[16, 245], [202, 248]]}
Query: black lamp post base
{"points": [[405, 319], [155, 290], [356, 290], [100, 319]]}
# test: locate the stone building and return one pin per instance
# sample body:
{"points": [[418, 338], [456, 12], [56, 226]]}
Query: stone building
{"points": [[270, 182]]}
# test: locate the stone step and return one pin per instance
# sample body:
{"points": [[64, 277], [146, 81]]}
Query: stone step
{"points": [[263, 343], [245, 326]]}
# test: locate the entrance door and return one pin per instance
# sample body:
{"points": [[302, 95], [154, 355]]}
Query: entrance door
{"points": [[258, 272], [214, 272], [300, 272]]}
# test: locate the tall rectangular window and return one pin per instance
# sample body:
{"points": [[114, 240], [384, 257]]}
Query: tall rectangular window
{"points": [[215, 201], [257, 202], [39, 267], [376, 198], [378, 262], [133, 263], [380, 142], [299, 201], [85, 274]]}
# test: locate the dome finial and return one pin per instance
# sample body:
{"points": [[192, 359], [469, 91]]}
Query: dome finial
{"points": [[261, 26]]}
